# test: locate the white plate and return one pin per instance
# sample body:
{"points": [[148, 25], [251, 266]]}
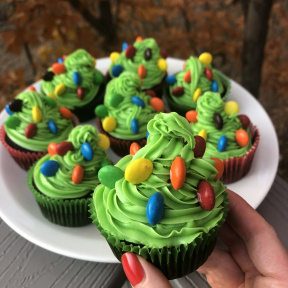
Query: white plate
{"points": [[20, 211]]}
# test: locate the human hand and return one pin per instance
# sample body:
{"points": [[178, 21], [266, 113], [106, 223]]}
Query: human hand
{"points": [[255, 256]]}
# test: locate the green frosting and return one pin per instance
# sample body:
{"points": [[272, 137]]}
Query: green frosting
{"points": [[125, 87], [91, 79], [61, 185], [154, 74], [49, 111], [121, 211], [207, 105], [198, 80]]}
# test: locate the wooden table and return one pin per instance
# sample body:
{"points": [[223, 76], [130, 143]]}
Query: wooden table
{"points": [[25, 265]]}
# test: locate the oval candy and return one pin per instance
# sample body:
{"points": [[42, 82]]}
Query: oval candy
{"points": [[162, 64], [187, 76], [77, 174], [178, 173], [101, 111], [203, 133], [214, 86], [30, 130], [148, 54], [77, 79], [155, 208], [219, 165], [242, 137], [197, 94], [12, 122], [206, 195], [86, 151], [109, 175], [178, 91], [63, 147], [116, 70], [49, 168], [205, 58], [142, 71], [150, 93], [109, 124], [52, 95], [60, 89], [222, 143], [114, 56], [103, 141], [52, 127], [115, 100], [138, 170], [52, 147], [218, 121], [134, 126], [138, 38], [124, 46], [163, 53], [245, 121], [98, 78], [105, 162], [36, 114], [48, 76], [130, 51], [200, 146], [231, 107], [134, 147], [138, 101], [60, 60], [65, 112], [31, 89], [208, 73], [7, 108], [80, 93], [191, 116], [50, 101], [58, 68], [16, 105], [156, 103], [147, 134], [171, 80]]}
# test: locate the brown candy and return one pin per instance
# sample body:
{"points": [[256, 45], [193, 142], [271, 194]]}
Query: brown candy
{"points": [[218, 121]]}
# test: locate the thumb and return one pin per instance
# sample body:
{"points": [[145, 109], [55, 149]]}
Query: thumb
{"points": [[141, 273]]}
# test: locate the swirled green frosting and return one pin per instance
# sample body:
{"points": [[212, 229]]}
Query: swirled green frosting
{"points": [[120, 212], [82, 62], [198, 80], [207, 105], [154, 74], [61, 185], [127, 85], [43, 135]]}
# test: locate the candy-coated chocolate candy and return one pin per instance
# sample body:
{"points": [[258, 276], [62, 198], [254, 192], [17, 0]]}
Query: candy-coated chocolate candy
{"points": [[156, 103], [187, 76], [105, 162], [101, 111], [139, 38], [163, 53], [124, 46], [231, 107], [130, 51], [50, 101], [206, 195], [150, 93], [115, 100], [109, 124], [48, 76], [63, 147], [162, 64], [77, 79], [30, 130], [138, 101], [36, 114], [16, 105], [116, 70], [7, 108], [208, 73], [60, 60], [98, 78], [86, 151], [197, 94], [205, 58], [171, 80], [31, 88], [12, 122], [77, 174], [134, 147], [148, 54], [214, 86], [138, 170], [65, 112], [64, 57], [203, 133], [80, 93], [147, 134], [49, 168], [200, 146], [52, 148], [114, 56], [191, 116], [219, 165], [245, 121], [134, 126], [103, 141], [178, 173], [58, 68], [108, 175], [142, 72], [242, 137], [52, 127], [52, 95], [218, 121], [178, 91], [155, 208], [60, 89], [222, 143]]}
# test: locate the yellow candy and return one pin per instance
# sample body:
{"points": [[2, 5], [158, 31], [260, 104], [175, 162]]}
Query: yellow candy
{"points": [[114, 56], [203, 133], [162, 64], [197, 94], [60, 89], [52, 95], [109, 124], [138, 170], [94, 62], [36, 114], [231, 107], [103, 142], [205, 58]]}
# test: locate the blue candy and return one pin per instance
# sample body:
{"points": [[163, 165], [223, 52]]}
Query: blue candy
{"points": [[138, 101], [52, 127], [124, 46], [147, 134], [155, 208], [117, 70], [49, 168], [134, 126], [60, 60], [86, 151], [77, 79], [171, 80], [214, 86], [222, 143], [7, 108]]}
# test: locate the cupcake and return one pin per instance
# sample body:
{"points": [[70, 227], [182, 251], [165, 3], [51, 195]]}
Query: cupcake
{"points": [[75, 83], [63, 180], [33, 122], [165, 202], [126, 112], [183, 89], [143, 58], [229, 137]]}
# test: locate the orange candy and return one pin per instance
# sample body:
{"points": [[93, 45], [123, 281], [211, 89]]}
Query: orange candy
{"points": [[219, 167], [32, 88], [134, 147], [58, 68], [65, 112], [139, 38], [178, 173], [157, 104], [242, 138], [191, 116], [187, 77], [77, 174], [52, 149], [142, 71]]}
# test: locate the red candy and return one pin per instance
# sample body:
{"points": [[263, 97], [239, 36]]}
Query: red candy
{"points": [[208, 73], [63, 147], [80, 93], [157, 104], [178, 91], [134, 147], [200, 146], [150, 93], [206, 195], [52, 149], [130, 51], [164, 53], [242, 138], [219, 167], [32, 88], [245, 121], [58, 68], [187, 77], [30, 130], [65, 112], [191, 116], [77, 174], [178, 173]]}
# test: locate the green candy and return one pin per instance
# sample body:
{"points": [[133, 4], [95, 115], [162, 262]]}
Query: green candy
{"points": [[12, 122], [101, 111], [98, 78], [109, 175], [105, 162], [115, 100], [49, 101]]}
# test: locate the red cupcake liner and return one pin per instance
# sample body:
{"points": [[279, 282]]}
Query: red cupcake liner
{"points": [[237, 167]]}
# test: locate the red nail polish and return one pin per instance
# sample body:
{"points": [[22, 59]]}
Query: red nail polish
{"points": [[132, 268]]}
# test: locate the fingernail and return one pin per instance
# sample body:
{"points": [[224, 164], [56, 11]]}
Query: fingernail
{"points": [[132, 268]]}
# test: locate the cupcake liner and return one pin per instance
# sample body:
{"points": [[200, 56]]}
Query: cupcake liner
{"points": [[64, 212], [237, 167], [174, 262]]}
